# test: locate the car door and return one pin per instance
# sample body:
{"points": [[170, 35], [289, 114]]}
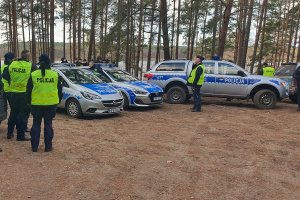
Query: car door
{"points": [[229, 82], [210, 78]]}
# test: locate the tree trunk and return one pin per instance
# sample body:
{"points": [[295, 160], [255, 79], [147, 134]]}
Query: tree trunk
{"points": [[158, 42], [128, 38], [225, 23], [52, 48], [151, 35], [64, 29], [296, 36], [14, 25], [213, 43], [22, 21], [247, 34], [136, 71], [258, 35], [33, 53], [74, 19], [191, 16], [178, 29], [164, 22], [291, 33], [118, 33], [79, 4], [173, 29], [92, 32], [261, 50], [195, 27]]}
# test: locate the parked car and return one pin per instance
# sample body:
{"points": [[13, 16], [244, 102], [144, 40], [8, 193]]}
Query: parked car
{"points": [[135, 93], [86, 94], [285, 72], [222, 79]]}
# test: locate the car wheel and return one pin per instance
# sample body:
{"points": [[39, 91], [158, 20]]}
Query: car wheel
{"points": [[126, 101], [176, 95], [73, 108], [293, 98], [265, 99]]}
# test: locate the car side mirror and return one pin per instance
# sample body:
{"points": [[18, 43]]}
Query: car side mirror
{"points": [[241, 73]]}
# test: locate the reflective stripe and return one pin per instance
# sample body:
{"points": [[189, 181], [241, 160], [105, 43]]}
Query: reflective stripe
{"points": [[193, 75], [44, 92], [19, 72]]}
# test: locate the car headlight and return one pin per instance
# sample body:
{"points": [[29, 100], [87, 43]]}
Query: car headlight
{"points": [[89, 96], [140, 92]]}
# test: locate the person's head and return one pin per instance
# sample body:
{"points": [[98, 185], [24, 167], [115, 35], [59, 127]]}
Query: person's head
{"points": [[265, 64], [84, 60], [8, 58], [45, 63], [62, 59], [199, 59], [25, 55]]}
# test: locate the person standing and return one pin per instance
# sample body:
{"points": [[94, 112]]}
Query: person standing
{"points": [[296, 77], [268, 70], [196, 80], [44, 92], [8, 59], [17, 75]]}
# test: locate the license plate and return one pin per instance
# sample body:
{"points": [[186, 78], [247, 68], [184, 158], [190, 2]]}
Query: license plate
{"points": [[157, 98], [112, 110]]}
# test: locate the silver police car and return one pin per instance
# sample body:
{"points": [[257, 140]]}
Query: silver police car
{"points": [[86, 94], [222, 79]]}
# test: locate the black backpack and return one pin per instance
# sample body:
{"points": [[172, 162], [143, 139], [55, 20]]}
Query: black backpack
{"points": [[296, 74]]}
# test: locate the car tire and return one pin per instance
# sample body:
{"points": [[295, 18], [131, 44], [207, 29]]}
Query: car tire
{"points": [[265, 99], [293, 98], [73, 108], [126, 101], [176, 95]]}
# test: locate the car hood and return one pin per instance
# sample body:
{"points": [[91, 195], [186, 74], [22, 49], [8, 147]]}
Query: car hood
{"points": [[149, 87], [102, 89]]}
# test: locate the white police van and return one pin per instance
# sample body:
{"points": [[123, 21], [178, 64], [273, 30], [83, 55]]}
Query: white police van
{"points": [[222, 79]]}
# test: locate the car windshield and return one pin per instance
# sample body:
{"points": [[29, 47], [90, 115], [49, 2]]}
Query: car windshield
{"points": [[101, 75], [286, 70], [81, 76], [120, 76]]}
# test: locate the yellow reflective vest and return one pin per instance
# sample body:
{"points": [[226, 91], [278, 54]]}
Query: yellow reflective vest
{"points": [[192, 76], [268, 71], [44, 91], [19, 72]]}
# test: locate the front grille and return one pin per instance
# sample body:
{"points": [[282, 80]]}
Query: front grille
{"points": [[113, 103], [157, 94]]}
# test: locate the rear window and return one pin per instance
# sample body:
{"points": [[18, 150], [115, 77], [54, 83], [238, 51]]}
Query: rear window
{"points": [[286, 70], [167, 67]]}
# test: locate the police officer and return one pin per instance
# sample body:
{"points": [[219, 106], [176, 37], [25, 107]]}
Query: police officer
{"points": [[8, 59], [44, 92], [17, 75], [196, 80], [267, 70]]}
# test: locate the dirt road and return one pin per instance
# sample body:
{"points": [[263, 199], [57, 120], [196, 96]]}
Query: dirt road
{"points": [[229, 151]]}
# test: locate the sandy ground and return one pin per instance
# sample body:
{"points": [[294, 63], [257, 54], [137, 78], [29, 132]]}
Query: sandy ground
{"points": [[229, 151]]}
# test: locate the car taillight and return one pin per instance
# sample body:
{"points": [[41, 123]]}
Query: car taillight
{"points": [[148, 76]]}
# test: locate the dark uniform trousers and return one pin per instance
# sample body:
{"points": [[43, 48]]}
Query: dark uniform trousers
{"points": [[18, 105], [11, 121], [197, 97], [47, 113]]}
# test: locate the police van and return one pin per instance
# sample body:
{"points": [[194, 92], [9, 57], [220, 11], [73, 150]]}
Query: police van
{"points": [[222, 79]]}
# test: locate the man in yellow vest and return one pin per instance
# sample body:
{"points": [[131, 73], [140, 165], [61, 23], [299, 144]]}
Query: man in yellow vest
{"points": [[44, 92], [267, 70], [196, 80], [17, 75], [9, 57]]}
